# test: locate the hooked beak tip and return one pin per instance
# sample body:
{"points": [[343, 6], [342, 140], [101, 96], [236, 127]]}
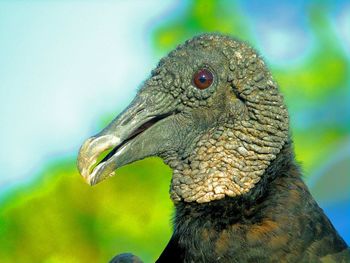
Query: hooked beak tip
{"points": [[88, 155]]}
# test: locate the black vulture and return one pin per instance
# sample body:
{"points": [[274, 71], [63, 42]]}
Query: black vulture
{"points": [[213, 112]]}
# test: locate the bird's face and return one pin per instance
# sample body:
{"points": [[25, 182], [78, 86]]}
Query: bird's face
{"points": [[199, 111]]}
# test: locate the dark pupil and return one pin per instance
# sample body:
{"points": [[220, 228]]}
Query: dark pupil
{"points": [[202, 78]]}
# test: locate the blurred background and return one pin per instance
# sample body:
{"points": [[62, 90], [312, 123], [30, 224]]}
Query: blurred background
{"points": [[68, 67]]}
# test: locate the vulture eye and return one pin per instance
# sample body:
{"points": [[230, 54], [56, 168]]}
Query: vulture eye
{"points": [[203, 78]]}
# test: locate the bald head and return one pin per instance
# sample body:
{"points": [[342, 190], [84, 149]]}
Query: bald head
{"points": [[211, 110]]}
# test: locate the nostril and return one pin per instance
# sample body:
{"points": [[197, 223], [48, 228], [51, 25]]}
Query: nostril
{"points": [[132, 115], [127, 120], [139, 110]]}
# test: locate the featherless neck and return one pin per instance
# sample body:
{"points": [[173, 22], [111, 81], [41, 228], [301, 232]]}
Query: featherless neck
{"points": [[244, 205]]}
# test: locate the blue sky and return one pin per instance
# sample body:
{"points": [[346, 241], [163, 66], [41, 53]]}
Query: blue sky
{"points": [[66, 64], [63, 65]]}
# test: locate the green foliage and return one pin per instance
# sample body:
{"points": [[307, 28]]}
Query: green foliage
{"points": [[58, 218], [319, 79], [199, 17]]}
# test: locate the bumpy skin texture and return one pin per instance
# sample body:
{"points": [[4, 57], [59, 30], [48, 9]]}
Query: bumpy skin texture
{"points": [[245, 121], [232, 203], [237, 190], [277, 221]]}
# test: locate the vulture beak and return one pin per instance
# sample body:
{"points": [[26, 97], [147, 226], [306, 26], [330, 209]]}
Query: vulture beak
{"points": [[140, 131]]}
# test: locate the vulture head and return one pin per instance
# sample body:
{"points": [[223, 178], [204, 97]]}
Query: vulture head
{"points": [[210, 110]]}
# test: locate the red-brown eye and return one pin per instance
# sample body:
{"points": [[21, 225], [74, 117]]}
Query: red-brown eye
{"points": [[203, 79]]}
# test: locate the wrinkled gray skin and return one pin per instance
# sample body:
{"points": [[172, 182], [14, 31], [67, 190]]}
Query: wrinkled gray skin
{"points": [[218, 141]]}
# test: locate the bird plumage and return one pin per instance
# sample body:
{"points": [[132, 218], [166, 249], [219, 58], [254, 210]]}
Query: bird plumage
{"points": [[277, 221], [212, 111]]}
